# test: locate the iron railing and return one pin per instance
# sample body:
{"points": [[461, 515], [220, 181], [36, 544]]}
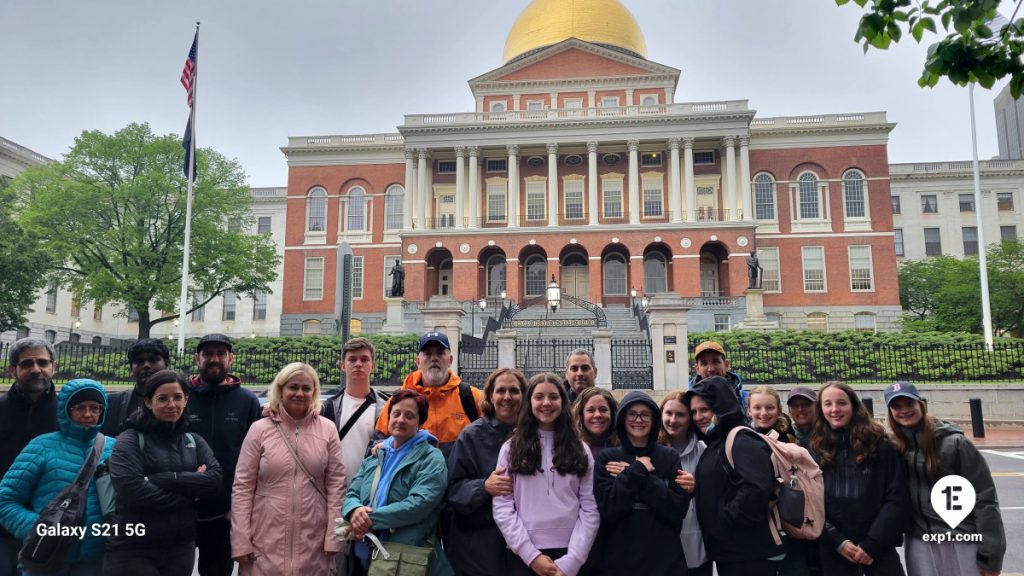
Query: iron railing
{"points": [[632, 364]]}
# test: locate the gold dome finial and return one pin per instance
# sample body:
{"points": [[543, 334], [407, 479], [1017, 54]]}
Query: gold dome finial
{"points": [[547, 22]]}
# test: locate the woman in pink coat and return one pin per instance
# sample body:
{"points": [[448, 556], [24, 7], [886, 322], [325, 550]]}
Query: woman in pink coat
{"points": [[288, 484]]}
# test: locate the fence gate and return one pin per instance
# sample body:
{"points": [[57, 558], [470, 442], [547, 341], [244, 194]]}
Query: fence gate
{"points": [[632, 365], [548, 355], [477, 359]]}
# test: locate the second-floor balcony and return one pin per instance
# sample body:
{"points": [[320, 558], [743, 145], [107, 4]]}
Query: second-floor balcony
{"points": [[543, 115]]}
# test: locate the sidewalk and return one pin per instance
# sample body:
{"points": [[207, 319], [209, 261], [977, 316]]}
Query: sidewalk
{"points": [[1002, 437]]}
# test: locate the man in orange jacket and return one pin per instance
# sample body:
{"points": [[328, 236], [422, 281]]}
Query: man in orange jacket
{"points": [[453, 404]]}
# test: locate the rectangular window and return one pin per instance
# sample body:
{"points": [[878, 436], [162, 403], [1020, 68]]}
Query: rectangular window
{"points": [[496, 201], [535, 199], [612, 194], [497, 165], [573, 191], [609, 102], [199, 314], [970, 235], [650, 159], [51, 299], [895, 204], [929, 204], [703, 157], [1007, 233], [97, 312], [259, 305], [864, 322], [861, 278], [263, 225], [230, 302], [534, 105], [967, 202], [770, 278], [1004, 200], [133, 314], [313, 279], [932, 242], [446, 211], [357, 277], [446, 166], [653, 206], [814, 268], [898, 241], [817, 322], [723, 322]]}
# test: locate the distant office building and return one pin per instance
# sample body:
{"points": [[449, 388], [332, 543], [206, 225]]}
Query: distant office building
{"points": [[1009, 125]]}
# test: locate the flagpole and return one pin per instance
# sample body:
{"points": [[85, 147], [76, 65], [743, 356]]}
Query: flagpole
{"points": [[186, 255]]}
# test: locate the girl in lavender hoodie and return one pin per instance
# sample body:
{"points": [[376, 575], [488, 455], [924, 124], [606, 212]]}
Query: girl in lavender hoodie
{"points": [[550, 519]]}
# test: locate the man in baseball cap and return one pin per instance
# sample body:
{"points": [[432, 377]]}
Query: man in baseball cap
{"points": [[709, 360], [801, 411]]}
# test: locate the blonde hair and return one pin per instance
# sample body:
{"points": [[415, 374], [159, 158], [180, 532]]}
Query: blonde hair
{"points": [[769, 391], [286, 375]]}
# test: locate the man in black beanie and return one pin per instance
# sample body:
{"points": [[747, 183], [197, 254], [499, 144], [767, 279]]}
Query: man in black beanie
{"points": [[146, 357]]}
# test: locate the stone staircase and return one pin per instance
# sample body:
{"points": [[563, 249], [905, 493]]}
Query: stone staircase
{"points": [[621, 322]]}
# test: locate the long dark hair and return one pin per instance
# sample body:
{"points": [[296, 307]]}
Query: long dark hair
{"points": [[929, 445], [524, 451], [143, 419], [865, 434]]}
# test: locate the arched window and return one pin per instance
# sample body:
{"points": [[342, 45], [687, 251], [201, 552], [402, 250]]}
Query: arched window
{"points": [[614, 271], [394, 207], [810, 204], [96, 341], [655, 273], [853, 194], [50, 336], [497, 106], [864, 322], [495, 275], [356, 220], [764, 197], [817, 322], [536, 275], [316, 210], [22, 332], [311, 328], [649, 100]]}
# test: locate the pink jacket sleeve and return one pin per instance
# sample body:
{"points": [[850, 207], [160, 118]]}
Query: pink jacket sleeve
{"points": [[508, 521], [334, 484], [243, 491], [587, 522]]}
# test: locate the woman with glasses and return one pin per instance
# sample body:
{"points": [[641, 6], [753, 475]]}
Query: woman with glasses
{"points": [[642, 507], [50, 463]]}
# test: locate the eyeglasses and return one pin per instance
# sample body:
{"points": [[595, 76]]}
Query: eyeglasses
{"points": [[83, 408], [638, 416], [28, 363]]}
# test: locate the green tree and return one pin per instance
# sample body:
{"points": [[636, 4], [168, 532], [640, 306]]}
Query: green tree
{"points": [[970, 52], [23, 264], [1006, 285], [943, 290], [112, 215]]}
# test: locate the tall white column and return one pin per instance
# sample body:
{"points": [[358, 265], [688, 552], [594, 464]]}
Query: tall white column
{"points": [[688, 183], [745, 189], [513, 185], [423, 189], [634, 181], [592, 183], [674, 204], [410, 188], [460, 186], [552, 184], [474, 186], [730, 171]]}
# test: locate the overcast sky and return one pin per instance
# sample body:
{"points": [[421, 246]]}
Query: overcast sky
{"points": [[273, 69]]}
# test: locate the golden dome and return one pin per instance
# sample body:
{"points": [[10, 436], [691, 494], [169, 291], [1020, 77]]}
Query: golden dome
{"points": [[547, 22]]}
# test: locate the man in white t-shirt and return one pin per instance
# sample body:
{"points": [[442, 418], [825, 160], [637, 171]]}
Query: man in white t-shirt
{"points": [[355, 409]]}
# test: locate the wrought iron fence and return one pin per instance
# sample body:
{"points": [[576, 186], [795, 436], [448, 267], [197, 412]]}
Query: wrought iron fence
{"points": [[632, 365], [548, 355], [477, 360]]}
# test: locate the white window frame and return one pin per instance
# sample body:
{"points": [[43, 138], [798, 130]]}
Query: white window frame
{"points": [[768, 257], [698, 158], [804, 252], [722, 327], [492, 186], [651, 184], [646, 100], [760, 179], [365, 204], [856, 256], [799, 201], [615, 180], [451, 166], [806, 223], [861, 315], [259, 306], [489, 170], [357, 277], [856, 222], [393, 221], [899, 245], [536, 187], [259, 224], [308, 324], [823, 316], [498, 107], [316, 235], [229, 306], [573, 186], [573, 107], [313, 287]]}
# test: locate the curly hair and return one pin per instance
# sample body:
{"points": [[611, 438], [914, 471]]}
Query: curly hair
{"points": [[929, 445], [865, 434], [524, 455], [577, 415]]}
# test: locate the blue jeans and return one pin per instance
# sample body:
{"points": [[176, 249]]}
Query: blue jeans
{"points": [[87, 568]]}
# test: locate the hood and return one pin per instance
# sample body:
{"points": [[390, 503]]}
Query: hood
{"points": [[720, 394], [414, 381], [942, 430], [199, 387], [64, 423], [637, 397]]}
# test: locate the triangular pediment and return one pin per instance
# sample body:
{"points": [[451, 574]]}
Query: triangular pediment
{"points": [[574, 58]]}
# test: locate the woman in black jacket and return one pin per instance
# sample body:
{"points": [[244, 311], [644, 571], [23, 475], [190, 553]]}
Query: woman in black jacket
{"points": [[732, 503], [867, 505], [158, 471], [641, 507], [475, 545]]}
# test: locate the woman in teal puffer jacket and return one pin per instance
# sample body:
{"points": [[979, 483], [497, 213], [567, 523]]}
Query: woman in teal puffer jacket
{"points": [[49, 463]]}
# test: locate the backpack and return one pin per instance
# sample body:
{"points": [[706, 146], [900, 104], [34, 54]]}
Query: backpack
{"points": [[799, 505]]}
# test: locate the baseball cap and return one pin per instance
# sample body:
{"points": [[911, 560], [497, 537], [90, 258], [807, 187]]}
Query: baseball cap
{"points": [[802, 392], [438, 337], [214, 339], [708, 345], [898, 389]]}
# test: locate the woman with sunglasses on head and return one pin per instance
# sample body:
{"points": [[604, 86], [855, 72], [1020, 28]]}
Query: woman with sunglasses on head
{"points": [[866, 502], [932, 448], [550, 519]]}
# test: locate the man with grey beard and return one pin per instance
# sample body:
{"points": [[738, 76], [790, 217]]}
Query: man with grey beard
{"points": [[27, 410]]}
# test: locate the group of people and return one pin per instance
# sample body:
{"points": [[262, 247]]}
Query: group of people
{"points": [[551, 476]]}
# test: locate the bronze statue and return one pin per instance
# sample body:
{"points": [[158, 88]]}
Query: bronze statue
{"points": [[397, 280], [754, 270]]}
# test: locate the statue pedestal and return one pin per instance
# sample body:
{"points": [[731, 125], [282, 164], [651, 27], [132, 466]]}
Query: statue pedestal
{"points": [[394, 322], [756, 320]]}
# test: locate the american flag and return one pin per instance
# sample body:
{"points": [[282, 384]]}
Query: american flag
{"points": [[188, 75]]}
